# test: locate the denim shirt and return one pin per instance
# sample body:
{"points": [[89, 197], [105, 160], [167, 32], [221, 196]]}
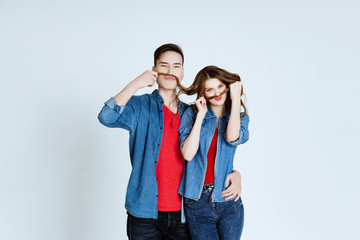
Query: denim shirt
{"points": [[194, 172], [144, 118]]}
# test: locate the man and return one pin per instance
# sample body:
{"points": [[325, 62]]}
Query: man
{"points": [[152, 200]]}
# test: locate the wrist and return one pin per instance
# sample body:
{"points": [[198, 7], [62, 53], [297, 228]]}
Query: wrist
{"points": [[236, 98], [200, 116], [235, 103], [135, 84]]}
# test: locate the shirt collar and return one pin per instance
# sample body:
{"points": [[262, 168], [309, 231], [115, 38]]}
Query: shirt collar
{"points": [[210, 113], [156, 95]]}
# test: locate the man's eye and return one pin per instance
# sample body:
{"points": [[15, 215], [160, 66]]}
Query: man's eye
{"points": [[162, 65]]}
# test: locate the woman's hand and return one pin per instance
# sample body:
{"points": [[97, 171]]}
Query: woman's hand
{"points": [[201, 106], [191, 144], [235, 90], [234, 190]]}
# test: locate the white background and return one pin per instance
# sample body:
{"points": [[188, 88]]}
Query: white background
{"points": [[63, 175]]}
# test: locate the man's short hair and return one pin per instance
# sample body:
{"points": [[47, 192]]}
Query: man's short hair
{"points": [[165, 48]]}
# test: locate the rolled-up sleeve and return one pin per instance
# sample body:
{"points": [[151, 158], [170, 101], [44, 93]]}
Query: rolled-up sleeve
{"points": [[244, 132], [186, 124], [115, 116]]}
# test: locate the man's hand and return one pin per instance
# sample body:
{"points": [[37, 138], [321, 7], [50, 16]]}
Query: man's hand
{"points": [[147, 79], [234, 190]]}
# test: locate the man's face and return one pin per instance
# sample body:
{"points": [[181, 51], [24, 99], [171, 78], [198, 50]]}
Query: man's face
{"points": [[169, 63]]}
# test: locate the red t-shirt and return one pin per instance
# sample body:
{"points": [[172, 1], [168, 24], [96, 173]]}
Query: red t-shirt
{"points": [[169, 167], [209, 177]]}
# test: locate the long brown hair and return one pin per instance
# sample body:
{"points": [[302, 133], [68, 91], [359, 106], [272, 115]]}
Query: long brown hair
{"points": [[198, 86]]}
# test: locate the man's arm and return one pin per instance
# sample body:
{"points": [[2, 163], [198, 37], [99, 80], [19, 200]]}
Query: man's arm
{"points": [[147, 79], [120, 111]]}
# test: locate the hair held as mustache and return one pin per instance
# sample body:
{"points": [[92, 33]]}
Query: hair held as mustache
{"points": [[186, 89]]}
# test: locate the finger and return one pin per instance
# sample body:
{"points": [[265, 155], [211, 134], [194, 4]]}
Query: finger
{"points": [[204, 101], [229, 193], [233, 192], [237, 198], [230, 197], [155, 74], [151, 84], [225, 193]]}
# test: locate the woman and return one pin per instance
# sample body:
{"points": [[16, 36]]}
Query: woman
{"points": [[209, 133]]}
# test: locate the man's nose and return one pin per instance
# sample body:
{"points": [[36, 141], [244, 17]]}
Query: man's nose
{"points": [[170, 70]]}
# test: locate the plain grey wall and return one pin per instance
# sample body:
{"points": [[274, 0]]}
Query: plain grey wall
{"points": [[64, 176]]}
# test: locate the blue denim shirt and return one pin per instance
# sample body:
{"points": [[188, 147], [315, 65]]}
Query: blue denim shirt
{"points": [[144, 118], [194, 172]]}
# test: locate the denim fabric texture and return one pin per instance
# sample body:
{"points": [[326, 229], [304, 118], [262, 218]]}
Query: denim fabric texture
{"points": [[209, 220], [194, 172], [143, 117], [167, 226]]}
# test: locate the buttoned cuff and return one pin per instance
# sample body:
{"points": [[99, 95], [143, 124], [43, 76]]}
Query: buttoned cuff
{"points": [[111, 103]]}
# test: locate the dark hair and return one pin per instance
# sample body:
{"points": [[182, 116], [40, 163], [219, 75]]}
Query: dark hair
{"points": [[165, 48], [198, 86]]}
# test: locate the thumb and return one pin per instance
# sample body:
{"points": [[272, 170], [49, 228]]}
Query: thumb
{"points": [[227, 181]]}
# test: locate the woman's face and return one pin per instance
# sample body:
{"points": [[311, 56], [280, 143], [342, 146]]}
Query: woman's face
{"points": [[214, 87]]}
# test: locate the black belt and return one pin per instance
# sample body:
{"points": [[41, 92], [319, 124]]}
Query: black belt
{"points": [[209, 186]]}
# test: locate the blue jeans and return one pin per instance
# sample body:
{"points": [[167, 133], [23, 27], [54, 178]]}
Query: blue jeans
{"points": [[168, 226], [214, 220]]}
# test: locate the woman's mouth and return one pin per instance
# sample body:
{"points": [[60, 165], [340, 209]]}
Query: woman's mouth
{"points": [[218, 98]]}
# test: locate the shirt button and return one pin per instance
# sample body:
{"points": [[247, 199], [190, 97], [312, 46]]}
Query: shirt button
{"points": [[158, 145], [155, 161], [160, 127]]}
